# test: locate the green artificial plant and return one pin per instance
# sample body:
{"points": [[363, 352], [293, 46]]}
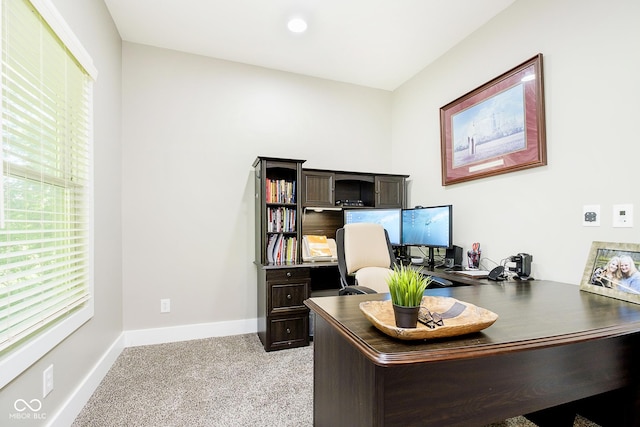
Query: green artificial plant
{"points": [[406, 285]]}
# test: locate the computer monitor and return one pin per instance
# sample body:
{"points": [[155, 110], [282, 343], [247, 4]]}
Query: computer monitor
{"points": [[431, 227], [390, 219]]}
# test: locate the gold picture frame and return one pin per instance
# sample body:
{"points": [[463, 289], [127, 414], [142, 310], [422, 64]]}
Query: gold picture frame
{"points": [[612, 270]]}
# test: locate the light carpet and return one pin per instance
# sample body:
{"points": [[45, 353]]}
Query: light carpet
{"points": [[223, 381]]}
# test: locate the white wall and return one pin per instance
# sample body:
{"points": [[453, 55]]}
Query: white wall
{"points": [[74, 358], [591, 56], [192, 127]]}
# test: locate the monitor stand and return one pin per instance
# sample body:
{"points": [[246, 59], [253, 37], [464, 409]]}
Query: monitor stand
{"points": [[431, 262], [401, 254]]}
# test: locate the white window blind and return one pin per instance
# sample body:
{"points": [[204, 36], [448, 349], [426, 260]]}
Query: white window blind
{"points": [[46, 192]]}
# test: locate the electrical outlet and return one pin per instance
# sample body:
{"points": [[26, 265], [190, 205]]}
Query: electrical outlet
{"points": [[47, 381], [623, 215], [165, 305], [591, 215]]}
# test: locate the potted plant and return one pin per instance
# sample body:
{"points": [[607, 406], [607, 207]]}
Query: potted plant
{"points": [[406, 286]]}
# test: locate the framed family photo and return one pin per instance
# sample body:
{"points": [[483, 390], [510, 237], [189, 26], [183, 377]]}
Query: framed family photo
{"points": [[496, 128], [612, 270]]}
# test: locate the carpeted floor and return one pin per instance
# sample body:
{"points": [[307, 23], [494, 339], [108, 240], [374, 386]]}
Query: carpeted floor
{"points": [[223, 381]]}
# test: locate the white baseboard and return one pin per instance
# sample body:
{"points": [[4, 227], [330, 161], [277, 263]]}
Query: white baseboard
{"points": [[81, 395], [189, 332], [87, 387]]}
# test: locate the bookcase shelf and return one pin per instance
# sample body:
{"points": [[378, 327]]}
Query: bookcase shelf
{"points": [[283, 319], [277, 210]]}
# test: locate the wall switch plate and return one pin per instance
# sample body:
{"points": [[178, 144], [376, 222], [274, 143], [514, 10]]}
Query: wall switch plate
{"points": [[623, 215], [591, 215], [47, 381], [165, 305]]}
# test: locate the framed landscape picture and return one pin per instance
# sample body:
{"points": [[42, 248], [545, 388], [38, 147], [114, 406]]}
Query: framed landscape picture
{"points": [[612, 270], [496, 128]]}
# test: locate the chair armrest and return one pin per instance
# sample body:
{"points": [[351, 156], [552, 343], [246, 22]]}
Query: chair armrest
{"points": [[356, 290]]}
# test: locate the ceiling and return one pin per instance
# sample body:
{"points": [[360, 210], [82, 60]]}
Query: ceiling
{"points": [[374, 43]]}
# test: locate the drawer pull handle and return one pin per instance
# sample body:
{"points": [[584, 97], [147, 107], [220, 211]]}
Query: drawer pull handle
{"points": [[288, 274], [288, 330], [288, 296]]}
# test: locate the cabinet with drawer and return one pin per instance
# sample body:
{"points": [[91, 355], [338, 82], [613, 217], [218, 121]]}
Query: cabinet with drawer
{"points": [[283, 319]]}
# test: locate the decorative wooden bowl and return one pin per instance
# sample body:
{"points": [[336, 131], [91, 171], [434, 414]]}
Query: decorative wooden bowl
{"points": [[471, 318]]}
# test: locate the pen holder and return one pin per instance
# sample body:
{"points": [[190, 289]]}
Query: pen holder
{"points": [[474, 258]]}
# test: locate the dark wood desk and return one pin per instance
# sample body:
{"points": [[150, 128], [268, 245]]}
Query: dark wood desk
{"points": [[457, 279], [551, 345]]}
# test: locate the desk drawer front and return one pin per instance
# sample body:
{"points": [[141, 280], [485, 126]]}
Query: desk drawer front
{"points": [[288, 296], [288, 275], [289, 332]]}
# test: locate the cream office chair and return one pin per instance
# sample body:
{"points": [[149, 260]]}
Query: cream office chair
{"points": [[365, 259]]}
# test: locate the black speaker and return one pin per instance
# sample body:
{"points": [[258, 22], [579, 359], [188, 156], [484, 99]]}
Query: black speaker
{"points": [[453, 256]]}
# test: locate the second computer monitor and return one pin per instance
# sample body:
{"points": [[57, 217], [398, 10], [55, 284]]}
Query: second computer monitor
{"points": [[431, 227], [390, 219]]}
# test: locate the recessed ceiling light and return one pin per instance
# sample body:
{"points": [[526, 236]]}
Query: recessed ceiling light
{"points": [[297, 25]]}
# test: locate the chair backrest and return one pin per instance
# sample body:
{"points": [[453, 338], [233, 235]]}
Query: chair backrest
{"points": [[365, 245], [361, 245]]}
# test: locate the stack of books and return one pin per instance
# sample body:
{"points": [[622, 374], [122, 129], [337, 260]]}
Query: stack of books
{"points": [[282, 249], [281, 220], [280, 191]]}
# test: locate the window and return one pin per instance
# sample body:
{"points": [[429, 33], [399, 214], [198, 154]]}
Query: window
{"points": [[46, 220]]}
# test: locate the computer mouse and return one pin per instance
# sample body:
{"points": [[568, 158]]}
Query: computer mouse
{"points": [[497, 274]]}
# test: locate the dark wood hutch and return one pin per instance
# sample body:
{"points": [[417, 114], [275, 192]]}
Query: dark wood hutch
{"points": [[290, 202]]}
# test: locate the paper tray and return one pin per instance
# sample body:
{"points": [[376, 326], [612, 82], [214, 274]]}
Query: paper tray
{"points": [[472, 319]]}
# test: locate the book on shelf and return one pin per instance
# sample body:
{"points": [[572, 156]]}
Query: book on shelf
{"points": [[281, 219], [282, 249], [280, 191], [270, 248], [318, 248]]}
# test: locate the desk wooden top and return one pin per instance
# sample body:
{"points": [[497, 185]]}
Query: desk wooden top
{"points": [[532, 314], [454, 277]]}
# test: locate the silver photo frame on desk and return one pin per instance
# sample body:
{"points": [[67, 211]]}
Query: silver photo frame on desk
{"points": [[612, 270]]}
